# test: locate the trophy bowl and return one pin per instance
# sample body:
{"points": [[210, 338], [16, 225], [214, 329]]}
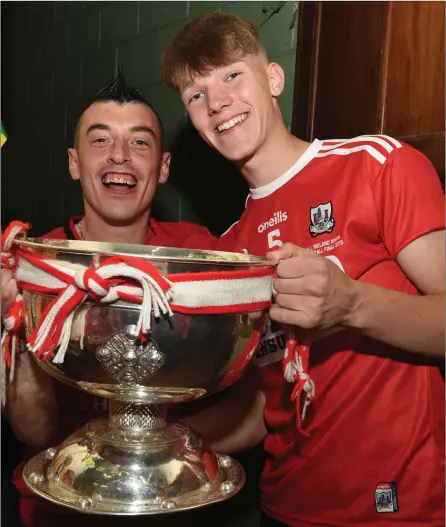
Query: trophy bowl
{"points": [[143, 327]]}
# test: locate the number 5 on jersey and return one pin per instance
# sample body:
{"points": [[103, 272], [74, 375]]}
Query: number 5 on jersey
{"points": [[274, 239]]}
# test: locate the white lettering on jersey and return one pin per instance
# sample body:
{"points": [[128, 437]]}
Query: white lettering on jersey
{"points": [[327, 246], [272, 344], [274, 239], [278, 217]]}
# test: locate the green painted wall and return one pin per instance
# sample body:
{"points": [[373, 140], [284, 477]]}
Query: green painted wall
{"points": [[57, 54]]}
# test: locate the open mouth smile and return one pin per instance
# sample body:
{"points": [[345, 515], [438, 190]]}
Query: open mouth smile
{"points": [[117, 180], [231, 123]]}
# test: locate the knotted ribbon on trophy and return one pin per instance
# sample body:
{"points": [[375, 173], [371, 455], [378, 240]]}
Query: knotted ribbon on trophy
{"points": [[295, 366], [191, 293], [13, 320], [295, 370], [134, 280]]}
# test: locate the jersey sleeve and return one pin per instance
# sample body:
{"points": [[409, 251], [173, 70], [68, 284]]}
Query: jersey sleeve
{"points": [[409, 198]]}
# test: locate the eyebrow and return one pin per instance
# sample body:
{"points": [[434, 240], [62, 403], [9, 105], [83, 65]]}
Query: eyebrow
{"points": [[145, 129], [191, 83], [188, 85], [100, 126], [97, 126]]}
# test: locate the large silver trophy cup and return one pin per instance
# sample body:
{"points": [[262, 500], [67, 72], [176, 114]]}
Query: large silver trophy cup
{"points": [[198, 343]]}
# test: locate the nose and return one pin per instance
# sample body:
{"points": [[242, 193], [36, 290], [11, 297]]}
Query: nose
{"points": [[119, 153], [217, 101]]}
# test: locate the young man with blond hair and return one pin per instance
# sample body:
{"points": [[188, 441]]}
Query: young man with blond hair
{"points": [[358, 228]]}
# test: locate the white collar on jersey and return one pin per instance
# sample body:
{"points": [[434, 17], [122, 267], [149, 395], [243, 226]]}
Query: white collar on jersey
{"points": [[304, 159]]}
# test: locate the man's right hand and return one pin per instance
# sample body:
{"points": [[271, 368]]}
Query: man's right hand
{"points": [[9, 290]]}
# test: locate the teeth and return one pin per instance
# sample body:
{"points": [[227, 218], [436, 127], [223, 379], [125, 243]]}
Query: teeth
{"points": [[231, 123], [117, 180]]}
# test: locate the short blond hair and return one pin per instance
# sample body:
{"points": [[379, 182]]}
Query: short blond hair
{"points": [[211, 40]]}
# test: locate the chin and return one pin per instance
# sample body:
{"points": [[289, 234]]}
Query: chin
{"points": [[240, 151], [238, 155], [120, 221]]}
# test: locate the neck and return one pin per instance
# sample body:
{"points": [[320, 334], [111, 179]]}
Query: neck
{"points": [[97, 229], [279, 152]]}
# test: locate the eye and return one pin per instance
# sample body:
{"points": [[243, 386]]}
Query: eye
{"points": [[196, 96], [141, 142], [99, 140], [233, 75]]}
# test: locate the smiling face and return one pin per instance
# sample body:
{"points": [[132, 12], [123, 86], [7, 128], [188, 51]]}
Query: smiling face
{"points": [[234, 107], [118, 160]]}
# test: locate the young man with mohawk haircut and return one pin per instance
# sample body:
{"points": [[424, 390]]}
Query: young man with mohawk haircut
{"points": [[357, 226], [119, 160]]}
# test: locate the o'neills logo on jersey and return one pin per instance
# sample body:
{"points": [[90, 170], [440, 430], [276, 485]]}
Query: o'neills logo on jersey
{"points": [[278, 217]]}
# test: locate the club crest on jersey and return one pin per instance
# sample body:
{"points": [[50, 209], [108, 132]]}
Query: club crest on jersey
{"points": [[386, 499], [321, 219]]}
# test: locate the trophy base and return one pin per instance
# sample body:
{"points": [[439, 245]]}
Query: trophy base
{"points": [[107, 470]]}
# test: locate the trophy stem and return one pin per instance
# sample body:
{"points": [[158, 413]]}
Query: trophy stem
{"points": [[136, 416]]}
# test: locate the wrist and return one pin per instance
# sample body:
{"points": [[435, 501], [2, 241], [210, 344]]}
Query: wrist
{"points": [[355, 315]]}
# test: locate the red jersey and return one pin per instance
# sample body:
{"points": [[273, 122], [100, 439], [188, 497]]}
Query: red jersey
{"points": [[375, 451], [75, 407]]}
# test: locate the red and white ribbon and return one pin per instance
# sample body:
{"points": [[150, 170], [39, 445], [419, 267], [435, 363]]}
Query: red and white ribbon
{"points": [[295, 370], [10, 342], [13, 320], [12, 231], [128, 279], [10, 337]]}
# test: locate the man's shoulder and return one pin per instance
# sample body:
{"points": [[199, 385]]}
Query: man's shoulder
{"points": [[375, 148], [176, 228], [56, 234], [180, 234], [65, 231]]}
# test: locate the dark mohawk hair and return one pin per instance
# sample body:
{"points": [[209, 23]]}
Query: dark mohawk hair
{"points": [[118, 90]]}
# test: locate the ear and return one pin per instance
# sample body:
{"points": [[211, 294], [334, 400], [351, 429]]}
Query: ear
{"points": [[276, 77], [73, 163], [165, 167]]}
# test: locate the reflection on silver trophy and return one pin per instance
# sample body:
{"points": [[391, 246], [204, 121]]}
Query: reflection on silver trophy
{"points": [[143, 327]]}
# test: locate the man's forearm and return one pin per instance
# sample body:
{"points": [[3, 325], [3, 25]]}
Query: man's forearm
{"points": [[230, 428], [234, 422], [410, 322], [30, 406]]}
